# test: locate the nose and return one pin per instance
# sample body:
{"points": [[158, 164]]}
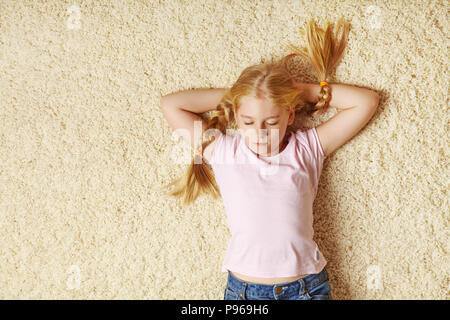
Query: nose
{"points": [[262, 135]]}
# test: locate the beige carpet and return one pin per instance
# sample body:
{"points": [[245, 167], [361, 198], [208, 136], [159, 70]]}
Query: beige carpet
{"points": [[84, 146]]}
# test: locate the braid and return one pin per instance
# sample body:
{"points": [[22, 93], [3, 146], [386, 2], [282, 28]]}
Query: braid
{"points": [[324, 51], [221, 117]]}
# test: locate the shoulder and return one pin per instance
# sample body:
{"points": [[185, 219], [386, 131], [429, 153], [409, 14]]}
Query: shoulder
{"points": [[218, 147], [209, 151]]}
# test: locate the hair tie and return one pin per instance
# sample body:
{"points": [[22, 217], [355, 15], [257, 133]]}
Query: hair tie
{"points": [[323, 83], [198, 151]]}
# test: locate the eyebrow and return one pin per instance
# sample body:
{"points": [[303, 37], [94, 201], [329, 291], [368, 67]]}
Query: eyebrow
{"points": [[265, 119]]}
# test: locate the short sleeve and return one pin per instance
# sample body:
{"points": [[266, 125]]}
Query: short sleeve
{"points": [[310, 141], [225, 147], [218, 151], [313, 153], [314, 143]]}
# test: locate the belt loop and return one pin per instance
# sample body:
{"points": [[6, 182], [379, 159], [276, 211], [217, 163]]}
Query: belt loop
{"points": [[324, 275], [244, 288], [302, 287]]}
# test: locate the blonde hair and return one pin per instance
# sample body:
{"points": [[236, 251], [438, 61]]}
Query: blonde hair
{"points": [[272, 81]]}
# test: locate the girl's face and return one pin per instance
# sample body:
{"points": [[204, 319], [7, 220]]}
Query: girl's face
{"points": [[263, 126]]}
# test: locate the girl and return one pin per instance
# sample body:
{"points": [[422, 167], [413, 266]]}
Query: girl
{"points": [[268, 175]]}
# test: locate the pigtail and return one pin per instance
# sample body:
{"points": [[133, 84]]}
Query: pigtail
{"points": [[324, 53], [199, 176]]}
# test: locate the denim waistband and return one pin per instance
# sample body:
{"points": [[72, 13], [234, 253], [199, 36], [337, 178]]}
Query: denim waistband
{"points": [[299, 286]]}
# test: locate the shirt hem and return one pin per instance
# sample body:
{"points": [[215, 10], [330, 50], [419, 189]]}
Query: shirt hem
{"points": [[310, 269]]}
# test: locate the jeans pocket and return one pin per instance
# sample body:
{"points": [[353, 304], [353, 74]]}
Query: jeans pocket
{"points": [[231, 295], [321, 292]]}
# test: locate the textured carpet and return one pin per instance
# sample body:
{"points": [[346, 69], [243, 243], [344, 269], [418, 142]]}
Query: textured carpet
{"points": [[84, 147]]}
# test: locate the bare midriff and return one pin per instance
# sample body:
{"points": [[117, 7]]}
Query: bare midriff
{"points": [[266, 280]]}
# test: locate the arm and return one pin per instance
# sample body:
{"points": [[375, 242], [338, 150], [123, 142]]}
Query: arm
{"points": [[181, 111], [195, 100], [356, 106], [343, 96]]}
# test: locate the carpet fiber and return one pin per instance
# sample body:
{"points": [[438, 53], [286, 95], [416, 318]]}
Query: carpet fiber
{"points": [[84, 147]]}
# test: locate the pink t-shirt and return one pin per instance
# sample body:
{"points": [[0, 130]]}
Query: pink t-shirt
{"points": [[269, 202]]}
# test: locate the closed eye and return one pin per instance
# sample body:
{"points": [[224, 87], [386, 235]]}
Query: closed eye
{"points": [[271, 124]]}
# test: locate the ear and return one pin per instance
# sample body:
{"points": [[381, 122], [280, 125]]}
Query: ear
{"points": [[291, 117]]}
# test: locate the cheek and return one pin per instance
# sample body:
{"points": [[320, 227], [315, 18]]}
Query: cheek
{"points": [[276, 136], [246, 133], [249, 134]]}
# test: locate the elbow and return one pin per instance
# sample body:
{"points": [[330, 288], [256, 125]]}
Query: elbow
{"points": [[374, 100], [167, 101], [373, 104], [162, 102]]}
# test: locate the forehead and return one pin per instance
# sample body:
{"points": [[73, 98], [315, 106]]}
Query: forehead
{"points": [[257, 107]]}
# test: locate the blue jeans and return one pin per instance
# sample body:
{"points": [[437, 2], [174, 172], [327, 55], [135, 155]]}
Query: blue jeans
{"points": [[312, 287]]}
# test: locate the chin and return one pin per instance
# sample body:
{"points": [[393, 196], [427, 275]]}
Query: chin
{"points": [[262, 149]]}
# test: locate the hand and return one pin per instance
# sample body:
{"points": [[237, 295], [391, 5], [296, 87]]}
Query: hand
{"points": [[299, 85], [310, 91]]}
